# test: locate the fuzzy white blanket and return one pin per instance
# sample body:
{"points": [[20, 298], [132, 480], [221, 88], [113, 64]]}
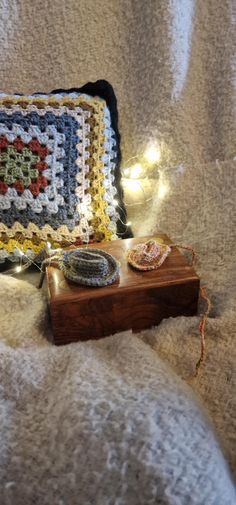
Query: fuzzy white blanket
{"points": [[103, 422]]}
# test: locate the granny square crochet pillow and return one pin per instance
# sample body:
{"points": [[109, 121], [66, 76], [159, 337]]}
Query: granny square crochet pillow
{"points": [[59, 169]]}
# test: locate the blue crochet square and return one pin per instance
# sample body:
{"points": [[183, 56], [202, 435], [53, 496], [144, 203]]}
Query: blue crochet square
{"points": [[42, 189]]}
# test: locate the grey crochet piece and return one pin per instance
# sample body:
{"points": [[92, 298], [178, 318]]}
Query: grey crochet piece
{"points": [[89, 267]]}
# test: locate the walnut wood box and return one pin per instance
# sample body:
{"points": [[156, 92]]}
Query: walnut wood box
{"points": [[137, 300]]}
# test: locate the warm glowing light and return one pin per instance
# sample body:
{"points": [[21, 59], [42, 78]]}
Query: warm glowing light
{"points": [[136, 171], [162, 190], [126, 172], [152, 153], [129, 223], [18, 269], [132, 185]]}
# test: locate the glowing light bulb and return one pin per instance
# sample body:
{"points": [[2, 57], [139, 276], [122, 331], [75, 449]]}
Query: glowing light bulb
{"points": [[18, 269], [136, 171], [126, 172], [132, 185], [152, 154]]}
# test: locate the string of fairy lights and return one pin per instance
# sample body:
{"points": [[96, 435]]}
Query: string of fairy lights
{"points": [[136, 175]]}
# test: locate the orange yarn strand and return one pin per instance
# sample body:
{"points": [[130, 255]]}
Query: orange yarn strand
{"points": [[188, 248], [202, 327], [202, 324]]}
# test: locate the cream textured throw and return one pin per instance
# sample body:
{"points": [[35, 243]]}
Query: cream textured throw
{"points": [[104, 423]]}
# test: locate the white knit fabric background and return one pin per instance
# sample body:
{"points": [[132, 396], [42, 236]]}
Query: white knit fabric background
{"points": [[101, 422], [172, 65]]}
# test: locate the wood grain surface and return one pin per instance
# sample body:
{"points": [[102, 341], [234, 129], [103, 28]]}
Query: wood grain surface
{"points": [[136, 300]]}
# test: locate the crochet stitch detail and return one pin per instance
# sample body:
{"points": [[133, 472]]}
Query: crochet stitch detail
{"points": [[89, 267], [57, 162]]}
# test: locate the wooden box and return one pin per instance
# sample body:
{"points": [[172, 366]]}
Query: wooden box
{"points": [[137, 300]]}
